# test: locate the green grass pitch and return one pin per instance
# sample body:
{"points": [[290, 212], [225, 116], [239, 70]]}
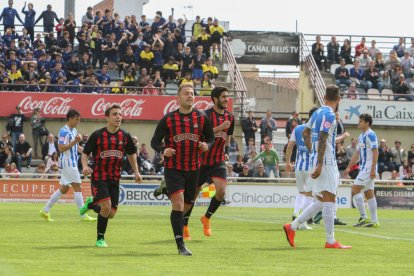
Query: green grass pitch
{"points": [[245, 241]]}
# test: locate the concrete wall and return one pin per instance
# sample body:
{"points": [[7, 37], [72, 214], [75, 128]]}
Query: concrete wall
{"points": [[268, 96]]}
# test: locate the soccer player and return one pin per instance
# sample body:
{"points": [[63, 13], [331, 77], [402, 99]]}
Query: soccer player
{"points": [[213, 167], [182, 131], [68, 147], [319, 136], [367, 155], [107, 145], [304, 197]]}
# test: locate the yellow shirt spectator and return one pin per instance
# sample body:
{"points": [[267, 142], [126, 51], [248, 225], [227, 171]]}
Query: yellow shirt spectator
{"points": [[16, 75], [168, 66], [147, 55], [212, 69], [218, 29], [206, 88]]}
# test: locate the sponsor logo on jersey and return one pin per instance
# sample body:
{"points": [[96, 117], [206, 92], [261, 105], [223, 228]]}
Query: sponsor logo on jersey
{"points": [[186, 136], [111, 153]]}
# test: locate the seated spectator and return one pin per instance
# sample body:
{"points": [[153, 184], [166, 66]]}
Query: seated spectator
{"points": [[253, 165], [40, 171], [104, 75], [386, 80], [11, 171], [245, 172], [150, 89], [346, 51], [400, 47], [31, 73], [208, 67], [14, 73], [186, 80], [170, 70], [58, 72], [364, 60], [333, 51], [53, 160], [342, 74], [206, 85], [402, 88], [7, 156], [407, 64], [54, 171], [260, 173], [318, 53], [351, 93], [356, 74], [409, 175], [129, 80], [91, 85], [373, 50], [60, 86], [158, 82], [230, 172], [372, 77], [410, 156], [359, 49], [392, 61], [23, 151], [143, 79], [238, 165], [72, 67], [49, 147]]}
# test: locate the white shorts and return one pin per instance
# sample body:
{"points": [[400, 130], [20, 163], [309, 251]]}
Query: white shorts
{"points": [[69, 175], [301, 179], [329, 180], [364, 179]]}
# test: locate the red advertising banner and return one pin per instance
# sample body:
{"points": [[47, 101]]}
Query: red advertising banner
{"points": [[92, 106], [35, 190]]}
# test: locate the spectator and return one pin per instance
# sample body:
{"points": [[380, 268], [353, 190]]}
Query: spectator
{"points": [[170, 70], [407, 64], [402, 88], [379, 62], [40, 171], [54, 171], [5, 142], [49, 147], [196, 28], [400, 47], [129, 81], [72, 67], [186, 62], [23, 151], [260, 173], [198, 60], [98, 52], [206, 85], [250, 147], [37, 123], [398, 155], [373, 51], [146, 58], [181, 26], [333, 51], [143, 79], [409, 175], [144, 153], [318, 53], [8, 16], [158, 82], [158, 162], [7, 156], [143, 23], [384, 158], [270, 160], [244, 173], [392, 61], [342, 74], [29, 20], [351, 149], [249, 127], [340, 128], [186, 80], [208, 67], [48, 17], [253, 165], [346, 51], [87, 18], [352, 93], [360, 48], [230, 172], [364, 60], [410, 156], [52, 161], [11, 171], [292, 122], [16, 125], [341, 156], [357, 75], [216, 33], [411, 48], [233, 150], [372, 77], [238, 165], [267, 126]]}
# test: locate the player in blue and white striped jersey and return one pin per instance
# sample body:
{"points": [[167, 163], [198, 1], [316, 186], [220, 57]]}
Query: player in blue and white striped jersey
{"points": [[68, 147], [302, 160], [319, 136], [367, 154]]}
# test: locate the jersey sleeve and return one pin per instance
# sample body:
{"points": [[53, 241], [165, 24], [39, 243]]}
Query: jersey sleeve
{"points": [[91, 144], [311, 120], [130, 148], [63, 138], [373, 141], [327, 120]]}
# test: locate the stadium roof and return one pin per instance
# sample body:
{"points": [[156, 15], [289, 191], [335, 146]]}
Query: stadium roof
{"points": [[103, 5]]}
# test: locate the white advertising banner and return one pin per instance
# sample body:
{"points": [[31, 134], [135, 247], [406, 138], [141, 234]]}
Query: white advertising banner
{"points": [[386, 113], [275, 196]]}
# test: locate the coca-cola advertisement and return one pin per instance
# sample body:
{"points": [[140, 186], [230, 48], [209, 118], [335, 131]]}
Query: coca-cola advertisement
{"points": [[92, 106]]}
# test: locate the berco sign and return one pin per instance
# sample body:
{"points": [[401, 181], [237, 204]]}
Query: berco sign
{"points": [[386, 113]]}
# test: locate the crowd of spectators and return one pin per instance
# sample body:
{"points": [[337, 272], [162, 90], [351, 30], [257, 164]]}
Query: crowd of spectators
{"points": [[370, 69], [67, 53]]}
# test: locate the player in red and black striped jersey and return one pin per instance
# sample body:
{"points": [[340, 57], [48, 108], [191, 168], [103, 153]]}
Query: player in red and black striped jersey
{"points": [[213, 167], [182, 131], [108, 146]]}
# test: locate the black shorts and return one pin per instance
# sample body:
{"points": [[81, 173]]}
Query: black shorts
{"points": [[216, 38], [207, 173], [181, 181], [105, 190]]}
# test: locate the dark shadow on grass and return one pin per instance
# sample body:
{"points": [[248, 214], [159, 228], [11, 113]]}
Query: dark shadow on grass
{"points": [[278, 249], [133, 254], [63, 247], [169, 242]]}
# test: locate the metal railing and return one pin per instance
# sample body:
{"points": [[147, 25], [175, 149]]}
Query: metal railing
{"points": [[315, 76], [235, 76]]}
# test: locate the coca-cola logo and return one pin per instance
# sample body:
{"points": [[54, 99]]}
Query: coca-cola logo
{"points": [[131, 108], [200, 105], [52, 106]]}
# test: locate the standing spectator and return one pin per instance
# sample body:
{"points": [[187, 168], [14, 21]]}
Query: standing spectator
{"points": [[400, 47], [318, 53], [384, 158], [196, 28], [216, 33], [23, 152], [4, 143], [29, 20], [333, 51], [270, 160], [342, 74], [50, 147], [249, 127], [8, 16], [289, 128], [88, 17], [70, 26], [16, 125], [267, 126], [410, 156], [351, 149], [7, 156], [48, 17], [37, 123], [398, 155], [373, 50], [359, 49], [340, 128], [407, 64], [346, 51]]}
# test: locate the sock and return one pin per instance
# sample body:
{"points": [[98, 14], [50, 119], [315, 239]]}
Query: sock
{"points": [[95, 208], [188, 214], [307, 201], [298, 204], [336, 209], [359, 203], [53, 199], [101, 226], [328, 212], [212, 208], [177, 223], [311, 211], [372, 206], [78, 199]]}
